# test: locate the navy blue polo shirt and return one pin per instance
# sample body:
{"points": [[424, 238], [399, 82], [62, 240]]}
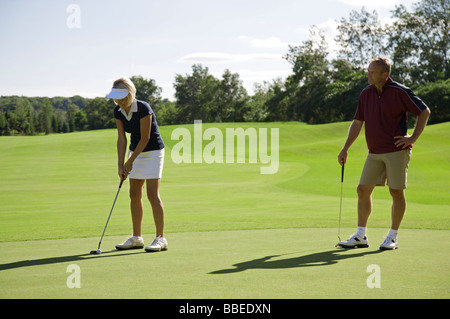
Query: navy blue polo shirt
{"points": [[133, 126]]}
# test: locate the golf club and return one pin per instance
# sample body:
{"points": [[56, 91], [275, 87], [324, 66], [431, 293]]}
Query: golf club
{"points": [[340, 206], [98, 251]]}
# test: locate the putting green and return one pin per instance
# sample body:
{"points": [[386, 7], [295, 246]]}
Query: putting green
{"points": [[274, 263]]}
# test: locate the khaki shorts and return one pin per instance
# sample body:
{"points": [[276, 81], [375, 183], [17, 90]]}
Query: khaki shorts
{"points": [[392, 167]]}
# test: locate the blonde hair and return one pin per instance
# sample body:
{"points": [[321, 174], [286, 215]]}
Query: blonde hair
{"points": [[125, 83], [384, 63]]}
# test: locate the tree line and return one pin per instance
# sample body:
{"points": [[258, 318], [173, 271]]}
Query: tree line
{"points": [[319, 90]]}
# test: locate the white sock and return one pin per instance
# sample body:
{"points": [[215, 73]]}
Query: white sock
{"points": [[361, 231], [393, 233]]}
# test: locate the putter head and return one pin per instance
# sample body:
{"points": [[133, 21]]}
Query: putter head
{"points": [[337, 245], [96, 252]]}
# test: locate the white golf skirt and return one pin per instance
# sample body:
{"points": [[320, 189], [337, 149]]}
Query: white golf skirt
{"points": [[148, 165]]}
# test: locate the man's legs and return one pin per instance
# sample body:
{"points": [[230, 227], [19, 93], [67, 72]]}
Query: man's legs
{"points": [[364, 203], [378, 167], [373, 174], [398, 207], [364, 209], [397, 169], [398, 211]]}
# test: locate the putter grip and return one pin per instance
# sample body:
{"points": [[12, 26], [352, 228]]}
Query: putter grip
{"points": [[121, 182], [342, 172]]}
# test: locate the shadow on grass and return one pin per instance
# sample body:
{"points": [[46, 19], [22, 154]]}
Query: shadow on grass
{"points": [[63, 259], [325, 258]]}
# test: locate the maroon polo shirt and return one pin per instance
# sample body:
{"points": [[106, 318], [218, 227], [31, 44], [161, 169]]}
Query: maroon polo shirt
{"points": [[386, 114]]}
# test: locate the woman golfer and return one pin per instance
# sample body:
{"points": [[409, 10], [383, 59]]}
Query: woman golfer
{"points": [[144, 161]]}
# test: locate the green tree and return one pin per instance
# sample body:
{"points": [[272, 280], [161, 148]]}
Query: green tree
{"points": [[80, 121], [361, 38], [46, 116], [195, 95], [4, 125], [148, 91], [257, 106], [343, 90], [56, 123], [437, 96], [309, 60], [167, 114], [24, 114], [229, 99], [305, 89], [71, 111], [99, 113], [420, 42]]}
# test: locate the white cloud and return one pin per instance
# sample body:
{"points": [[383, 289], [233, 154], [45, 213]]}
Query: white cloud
{"points": [[302, 30], [250, 77], [220, 57], [268, 43], [371, 3], [262, 75], [329, 29]]}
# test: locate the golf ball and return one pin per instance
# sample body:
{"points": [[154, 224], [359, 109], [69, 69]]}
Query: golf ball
{"points": [[99, 251]]}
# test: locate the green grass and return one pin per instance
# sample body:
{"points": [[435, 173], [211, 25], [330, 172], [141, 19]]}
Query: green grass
{"points": [[56, 192], [276, 263]]}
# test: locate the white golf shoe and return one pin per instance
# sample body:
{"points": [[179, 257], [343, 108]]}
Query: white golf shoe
{"points": [[355, 241], [131, 243], [160, 243], [389, 244]]}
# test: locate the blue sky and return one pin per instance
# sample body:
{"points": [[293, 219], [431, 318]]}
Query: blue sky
{"points": [[44, 53]]}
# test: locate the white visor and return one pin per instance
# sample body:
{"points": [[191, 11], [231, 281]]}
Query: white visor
{"points": [[117, 93]]}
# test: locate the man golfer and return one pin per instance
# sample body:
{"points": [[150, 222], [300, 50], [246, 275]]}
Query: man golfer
{"points": [[383, 107]]}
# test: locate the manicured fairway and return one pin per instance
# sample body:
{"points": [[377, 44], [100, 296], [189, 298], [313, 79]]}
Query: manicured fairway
{"points": [[233, 233]]}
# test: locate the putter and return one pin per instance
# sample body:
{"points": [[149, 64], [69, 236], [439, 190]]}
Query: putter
{"points": [[98, 251], [340, 206]]}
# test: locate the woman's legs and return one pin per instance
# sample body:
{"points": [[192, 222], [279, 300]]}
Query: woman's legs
{"points": [[157, 205], [137, 210]]}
